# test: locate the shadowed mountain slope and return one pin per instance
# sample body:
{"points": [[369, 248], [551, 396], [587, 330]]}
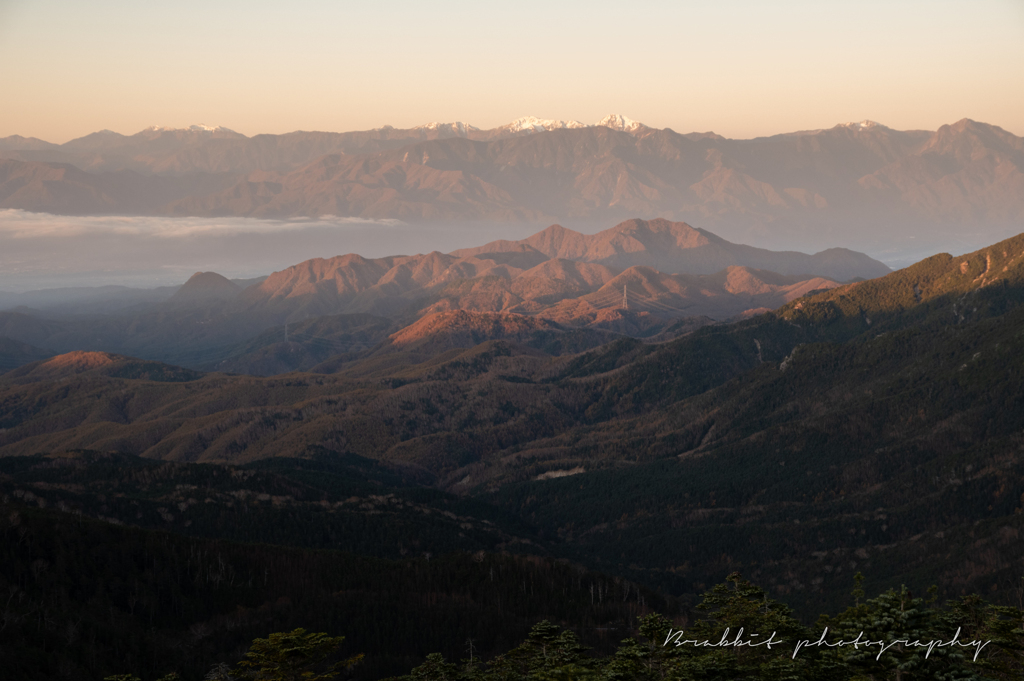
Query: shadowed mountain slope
{"points": [[14, 354], [65, 189], [305, 344], [206, 286]]}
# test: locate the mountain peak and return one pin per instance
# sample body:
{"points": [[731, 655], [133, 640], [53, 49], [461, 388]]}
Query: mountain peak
{"points": [[966, 124], [192, 128], [862, 125], [966, 139], [620, 122], [457, 128], [534, 124], [206, 286], [77, 361]]}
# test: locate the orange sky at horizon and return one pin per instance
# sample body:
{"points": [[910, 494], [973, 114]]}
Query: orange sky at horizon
{"points": [[740, 68]]}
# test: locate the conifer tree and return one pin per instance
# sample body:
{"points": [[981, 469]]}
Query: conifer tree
{"points": [[897, 628], [293, 656], [738, 611], [435, 668]]}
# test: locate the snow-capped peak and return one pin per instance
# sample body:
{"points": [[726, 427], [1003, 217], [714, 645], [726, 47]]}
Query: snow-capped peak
{"points": [[534, 124], [458, 128], [619, 122], [208, 128], [862, 125], [191, 128]]}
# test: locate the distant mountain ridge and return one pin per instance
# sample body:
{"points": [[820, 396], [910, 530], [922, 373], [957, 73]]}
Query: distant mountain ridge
{"points": [[559, 289], [862, 182], [678, 247], [531, 275], [164, 150]]}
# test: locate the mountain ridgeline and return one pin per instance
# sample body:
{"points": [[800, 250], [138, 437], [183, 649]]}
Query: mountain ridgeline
{"points": [[855, 182], [572, 291]]}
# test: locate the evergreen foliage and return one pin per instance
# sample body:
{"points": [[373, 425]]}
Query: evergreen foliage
{"points": [[294, 656], [740, 633]]}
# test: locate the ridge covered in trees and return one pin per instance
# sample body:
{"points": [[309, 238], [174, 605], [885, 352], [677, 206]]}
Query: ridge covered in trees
{"points": [[871, 428]]}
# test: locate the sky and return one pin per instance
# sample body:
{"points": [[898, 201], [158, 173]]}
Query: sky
{"points": [[741, 68]]}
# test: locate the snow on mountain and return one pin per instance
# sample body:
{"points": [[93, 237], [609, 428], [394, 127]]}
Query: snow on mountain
{"points": [[458, 128], [534, 124], [619, 122], [192, 128], [861, 125]]}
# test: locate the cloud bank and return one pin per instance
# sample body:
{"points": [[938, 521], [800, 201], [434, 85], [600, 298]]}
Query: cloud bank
{"points": [[20, 224], [39, 250]]}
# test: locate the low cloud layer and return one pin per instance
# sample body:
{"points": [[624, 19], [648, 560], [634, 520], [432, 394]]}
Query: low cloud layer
{"points": [[39, 250], [20, 224]]}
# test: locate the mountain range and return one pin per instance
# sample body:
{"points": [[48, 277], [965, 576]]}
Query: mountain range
{"points": [[858, 184], [552, 265], [873, 426], [566, 291]]}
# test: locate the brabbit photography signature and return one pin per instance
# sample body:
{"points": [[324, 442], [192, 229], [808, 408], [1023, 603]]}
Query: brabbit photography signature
{"points": [[757, 640]]}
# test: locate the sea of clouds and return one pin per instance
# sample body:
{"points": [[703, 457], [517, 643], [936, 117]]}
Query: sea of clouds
{"points": [[21, 224], [40, 250]]}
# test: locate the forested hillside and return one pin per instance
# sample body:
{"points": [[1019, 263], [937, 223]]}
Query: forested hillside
{"points": [[874, 427], [86, 599]]}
